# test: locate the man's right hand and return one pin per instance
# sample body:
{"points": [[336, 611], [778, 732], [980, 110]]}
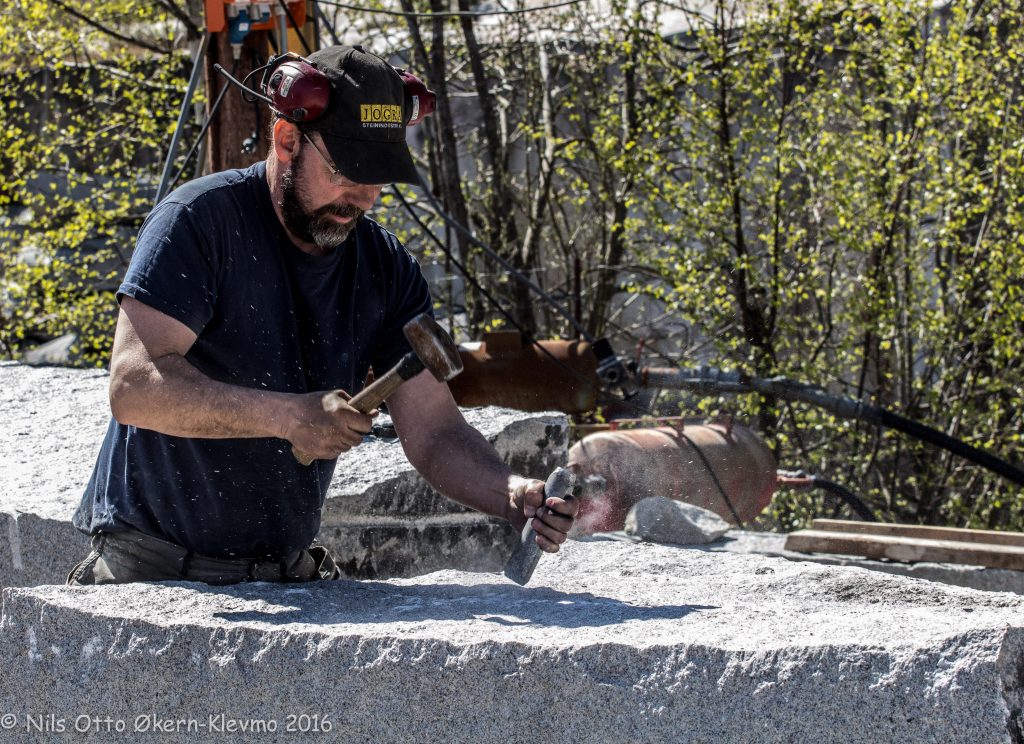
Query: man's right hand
{"points": [[322, 425]]}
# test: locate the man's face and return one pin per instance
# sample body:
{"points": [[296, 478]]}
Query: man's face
{"points": [[320, 207]]}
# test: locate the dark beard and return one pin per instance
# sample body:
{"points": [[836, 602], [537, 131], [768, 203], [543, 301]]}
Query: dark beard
{"points": [[313, 227]]}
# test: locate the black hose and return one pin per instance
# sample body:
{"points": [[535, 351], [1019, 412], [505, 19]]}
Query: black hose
{"points": [[849, 408], [956, 446], [706, 380], [800, 479], [846, 495]]}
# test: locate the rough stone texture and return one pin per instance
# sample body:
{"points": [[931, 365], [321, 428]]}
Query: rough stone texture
{"points": [[973, 577], [773, 544], [57, 351], [54, 419], [610, 642], [381, 518], [664, 520]]}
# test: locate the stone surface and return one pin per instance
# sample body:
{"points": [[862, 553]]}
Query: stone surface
{"points": [[54, 419], [973, 577], [664, 520], [773, 544], [610, 642], [380, 517], [58, 351]]}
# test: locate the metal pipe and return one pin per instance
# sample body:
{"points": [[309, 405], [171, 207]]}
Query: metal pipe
{"points": [[800, 479], [193, 80], [282, 32]]}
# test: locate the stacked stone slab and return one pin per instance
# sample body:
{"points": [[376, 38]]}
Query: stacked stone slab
{"points": [[381, 518], [54, 419], [610, 642]]}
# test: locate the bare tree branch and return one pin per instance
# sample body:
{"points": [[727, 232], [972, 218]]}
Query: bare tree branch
{"points": [[107, 30]]}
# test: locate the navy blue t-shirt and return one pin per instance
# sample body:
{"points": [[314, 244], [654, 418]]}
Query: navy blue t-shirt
{"points": [[214, 256]]}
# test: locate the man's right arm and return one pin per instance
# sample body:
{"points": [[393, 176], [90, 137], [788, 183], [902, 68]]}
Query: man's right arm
{"points": [[153, 386]]}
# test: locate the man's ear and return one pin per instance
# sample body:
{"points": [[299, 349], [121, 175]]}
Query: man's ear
{"points": [[286, 140]]}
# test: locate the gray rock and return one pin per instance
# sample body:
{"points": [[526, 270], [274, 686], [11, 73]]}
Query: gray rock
{"points": [[380, 517], [664, 520], [57, 352], [973, 577], [54, 419], [610, 642]]}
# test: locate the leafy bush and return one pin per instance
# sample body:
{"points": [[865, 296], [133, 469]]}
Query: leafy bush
{"points": [[829, 191]]}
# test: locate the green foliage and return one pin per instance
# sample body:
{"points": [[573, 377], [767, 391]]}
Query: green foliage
{"points": [[826, 190], [85, 120], [844, 207]]}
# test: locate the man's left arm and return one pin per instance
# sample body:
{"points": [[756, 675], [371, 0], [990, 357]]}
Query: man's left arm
{"points": [[461, 464]]}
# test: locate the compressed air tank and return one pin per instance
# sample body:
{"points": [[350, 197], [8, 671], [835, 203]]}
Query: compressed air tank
{"points": [[503, 370], [723, 467]]}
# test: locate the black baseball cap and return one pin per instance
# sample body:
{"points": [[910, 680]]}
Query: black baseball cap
{"points": [[363, 126]]}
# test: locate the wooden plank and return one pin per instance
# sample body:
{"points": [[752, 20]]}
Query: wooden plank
{"points": [[906, 549], [986, 537]]}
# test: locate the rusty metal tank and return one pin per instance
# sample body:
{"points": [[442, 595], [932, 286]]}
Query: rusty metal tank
{"points": [[501, 370], [691, 462]]}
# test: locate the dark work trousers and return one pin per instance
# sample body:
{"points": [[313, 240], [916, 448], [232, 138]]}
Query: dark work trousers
{"points": [[124, 557]]}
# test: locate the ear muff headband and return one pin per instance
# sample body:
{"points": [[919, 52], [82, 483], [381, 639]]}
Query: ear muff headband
{"points": [[297, 90], [300, 92]]}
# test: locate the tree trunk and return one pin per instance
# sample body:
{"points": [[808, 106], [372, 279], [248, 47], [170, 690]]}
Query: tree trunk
{"points": [[236, 120], [502, 232]]}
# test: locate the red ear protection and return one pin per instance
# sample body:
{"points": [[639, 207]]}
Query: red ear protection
{"points": [[300, 92], [297, 90], [423, 100]]}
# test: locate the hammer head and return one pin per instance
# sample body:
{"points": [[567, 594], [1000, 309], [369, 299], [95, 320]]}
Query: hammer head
{"points": [[433, 346]]}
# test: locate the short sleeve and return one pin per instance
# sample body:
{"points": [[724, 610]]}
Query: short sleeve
{"points": [[173, 269], [408, 296]]}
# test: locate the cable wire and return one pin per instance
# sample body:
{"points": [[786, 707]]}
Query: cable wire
{"points": [[295, 26], [450, 13], [708, 381], [800, 479], [714, 476], [846, 495], [202, 132], [516, 273]]}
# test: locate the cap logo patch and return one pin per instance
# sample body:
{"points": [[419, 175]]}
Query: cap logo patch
{"points": [[380, 115]]}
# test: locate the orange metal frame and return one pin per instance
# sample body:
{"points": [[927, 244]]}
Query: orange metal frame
{"points": [[216, 15]]}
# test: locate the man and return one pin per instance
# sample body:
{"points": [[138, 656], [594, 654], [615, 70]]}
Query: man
{"points": [[256, 300]]}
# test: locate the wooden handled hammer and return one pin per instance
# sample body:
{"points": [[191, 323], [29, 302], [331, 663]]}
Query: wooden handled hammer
{"points": [[432, 349]]}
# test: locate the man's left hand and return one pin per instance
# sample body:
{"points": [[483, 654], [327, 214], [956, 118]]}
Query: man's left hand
{"points": [[553, 517]]}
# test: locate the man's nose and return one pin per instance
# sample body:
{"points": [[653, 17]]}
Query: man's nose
{"points": [[361, 196]]}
